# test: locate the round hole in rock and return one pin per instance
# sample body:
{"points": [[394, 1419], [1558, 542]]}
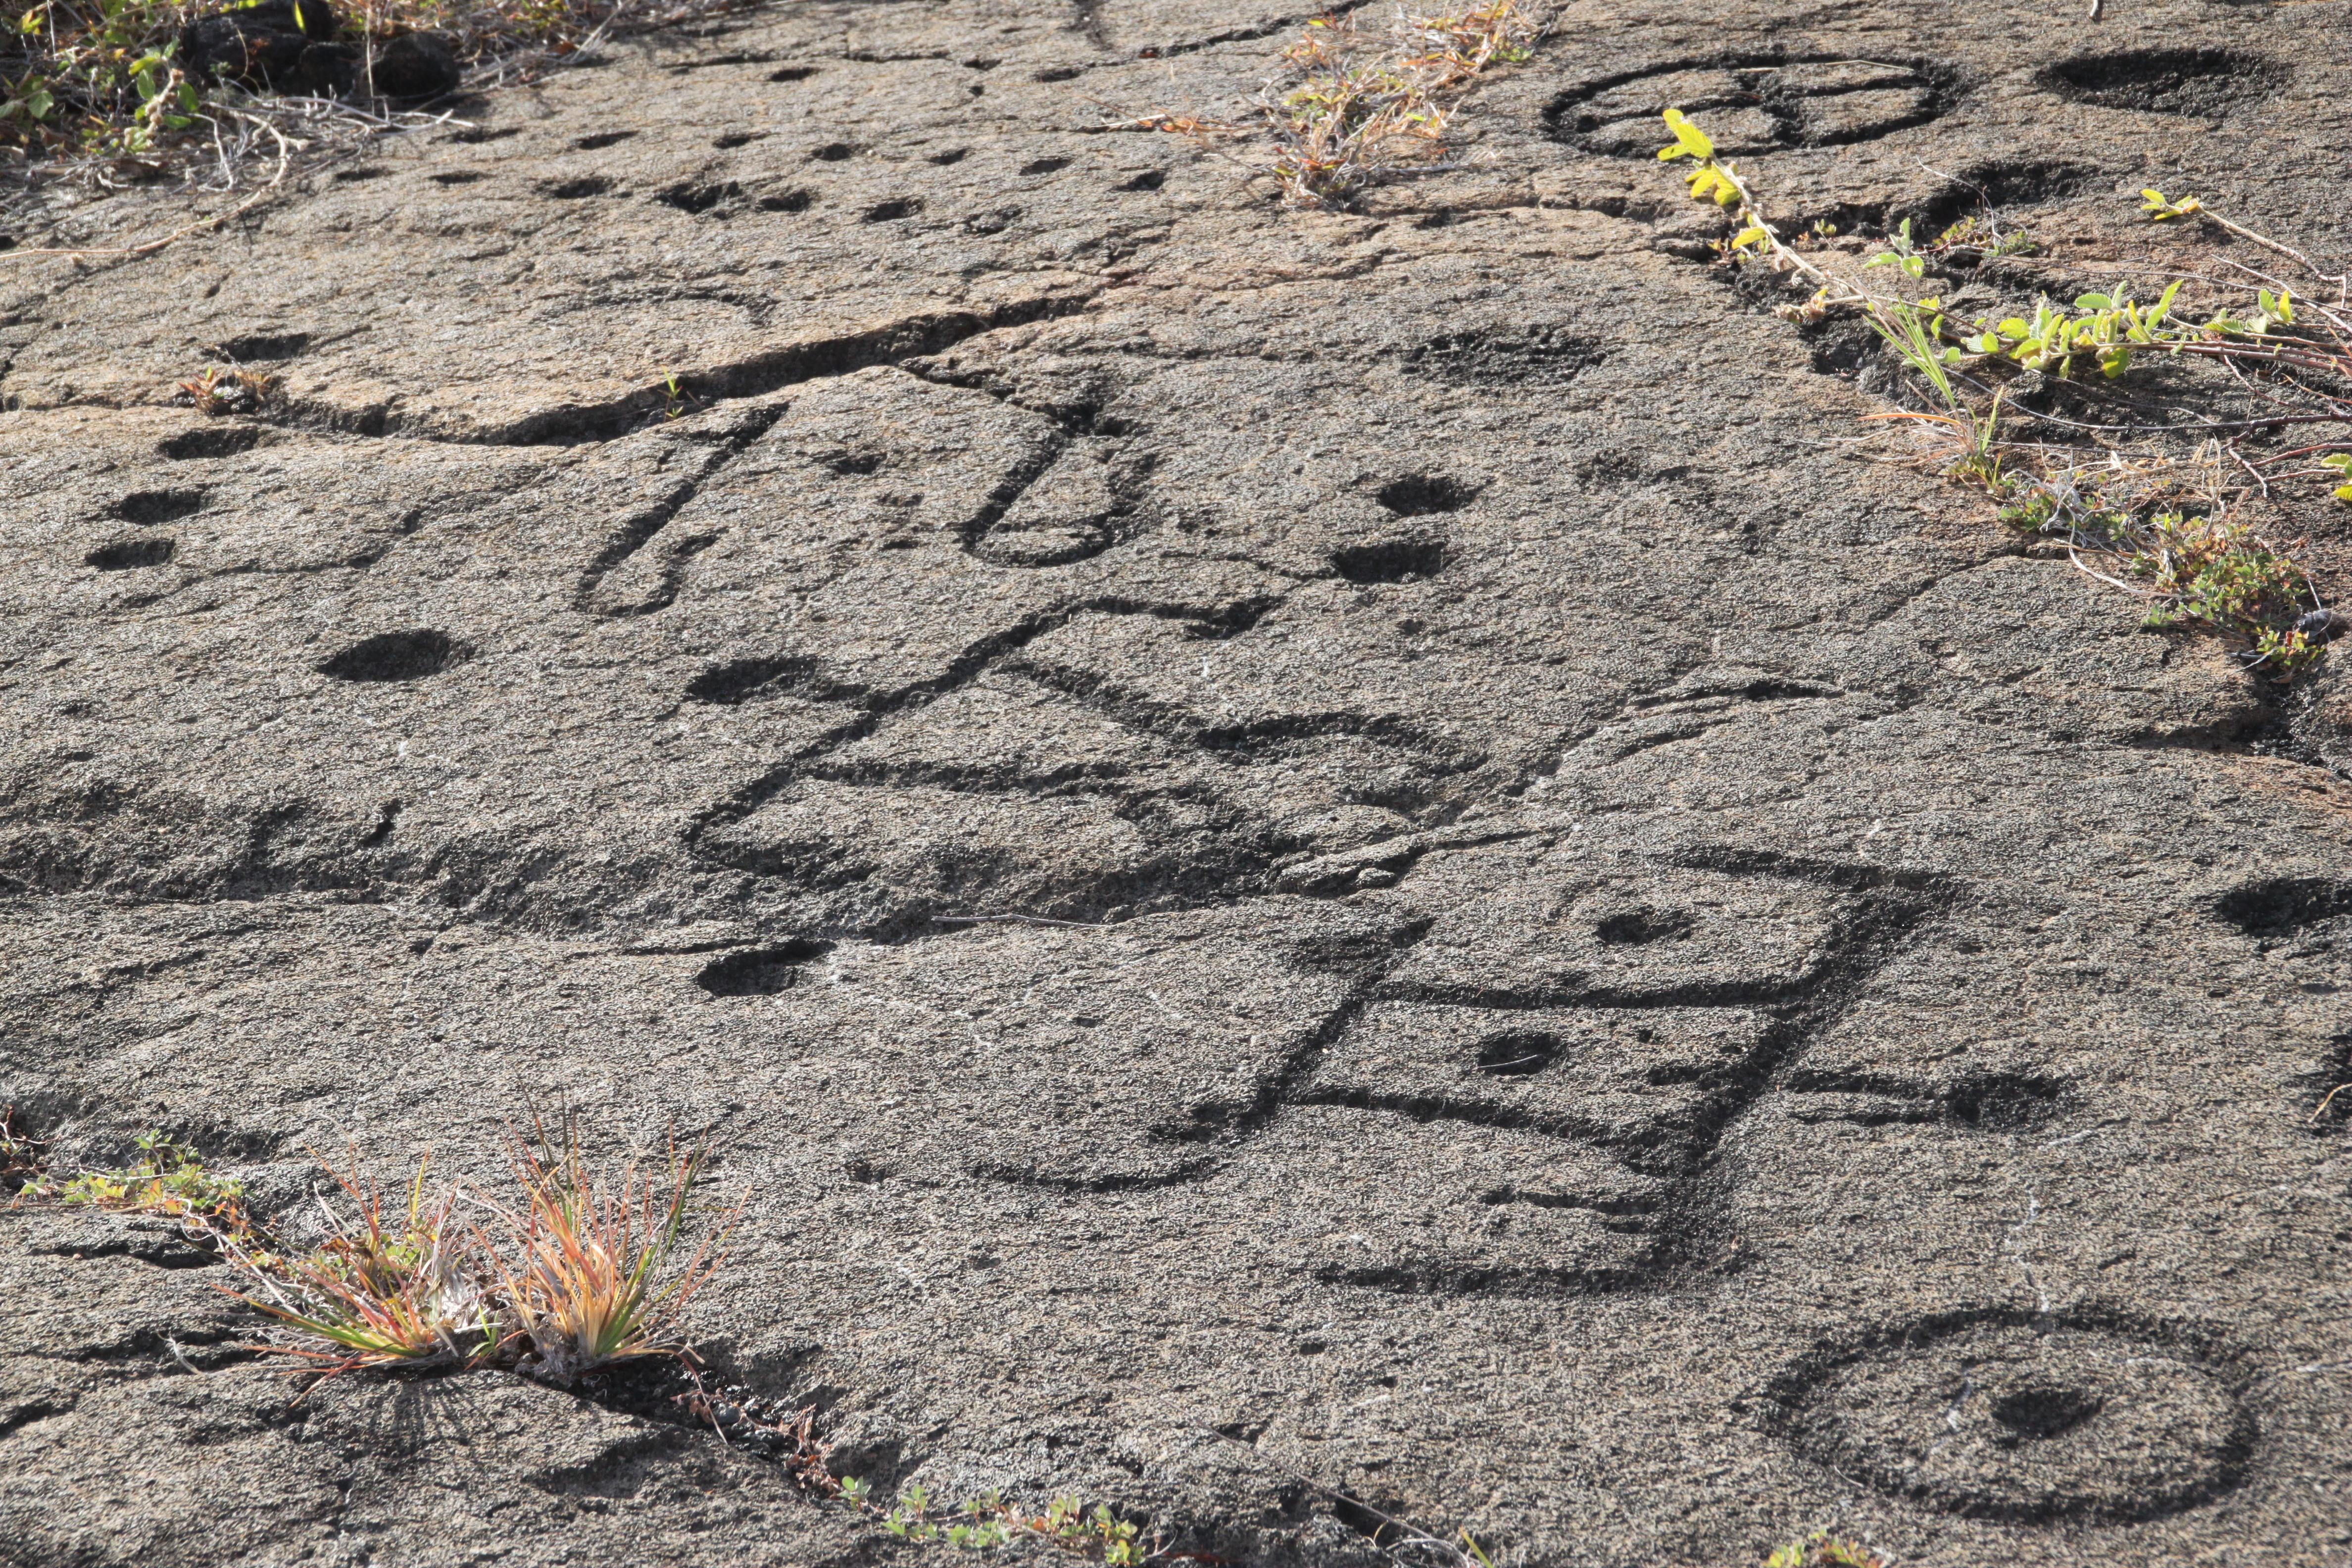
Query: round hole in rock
{"points": [[130, 554], [147, 509], [2284, 905], [739, 679], [1044, 166], [1425, 495], [255, 347], [222, 441], [1389, 561], [1518, 1053], [786, 202], [760, 970], [2036, 1413], [397, 656], [1634, 927]]}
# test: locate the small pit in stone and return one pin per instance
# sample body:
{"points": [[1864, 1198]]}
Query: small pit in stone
{"points": [[148, 509], [892, 210], [739, 680], [1518, 1053], [260, 348], [397, 656], [2005, 1102], [2037, 1414], [2197, 82], [220, 441], [735, 139], [1425, 495], [1634, 928], [792, 73], [574, 190], [2284, 905], [833, 152], [1150, 180], [1044, 166], [700, 198], [760, 970], [786, 202], [352, 176], [454, 177], [1389, 561], [130, 555], [601, 139]]}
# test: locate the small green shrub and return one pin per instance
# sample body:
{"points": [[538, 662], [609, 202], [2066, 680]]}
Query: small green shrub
{"points": [[987, 1521], [1822, 1550], [2198, 568], [167, 1178]]}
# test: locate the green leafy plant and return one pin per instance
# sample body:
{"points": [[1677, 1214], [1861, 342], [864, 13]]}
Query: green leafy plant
{"points": [[2342, 463], [1901, 254], [1822, 1550], [987, 1521], [2197, 567], [2219, 574], [167, 1178]]}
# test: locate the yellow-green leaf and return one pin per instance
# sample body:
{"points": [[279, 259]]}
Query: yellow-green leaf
{"points": [[1687, 136]]}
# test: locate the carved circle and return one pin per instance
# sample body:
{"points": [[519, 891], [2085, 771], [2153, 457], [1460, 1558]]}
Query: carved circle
{"points": [[2000, 1416], [1750, 106]]}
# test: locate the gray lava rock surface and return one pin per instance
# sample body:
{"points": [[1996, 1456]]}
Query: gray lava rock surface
{"points": [[1633, 983]]}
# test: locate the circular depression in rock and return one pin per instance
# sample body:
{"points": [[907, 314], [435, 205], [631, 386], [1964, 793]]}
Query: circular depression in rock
{"points": [[760, 970], [2201, 83], [1991, 1418], [397, 656]]}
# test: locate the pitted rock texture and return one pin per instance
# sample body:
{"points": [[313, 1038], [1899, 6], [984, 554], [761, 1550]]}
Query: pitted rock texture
{"points": [[1284, 847]]}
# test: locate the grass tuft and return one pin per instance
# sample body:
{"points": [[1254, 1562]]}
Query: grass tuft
{"points": [[408, 1291], [587, 1276], [573, 1274], [1352, 107]]}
